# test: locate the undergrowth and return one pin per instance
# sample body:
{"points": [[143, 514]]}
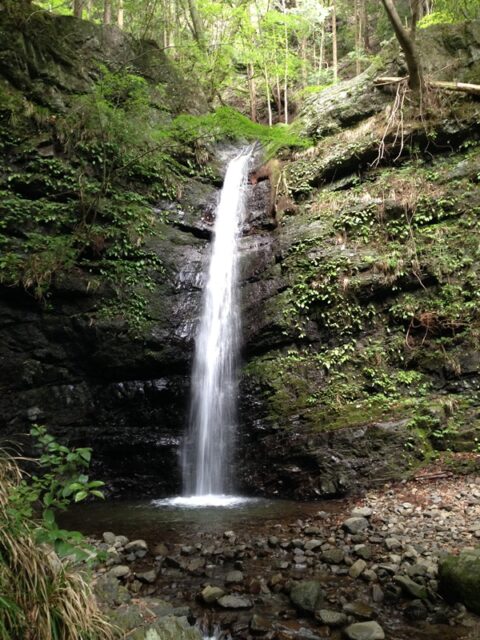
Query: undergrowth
{"points": [[43, 594]]}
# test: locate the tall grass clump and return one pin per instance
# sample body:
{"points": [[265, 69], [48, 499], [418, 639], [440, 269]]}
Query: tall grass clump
{"points": [[42, 597]]}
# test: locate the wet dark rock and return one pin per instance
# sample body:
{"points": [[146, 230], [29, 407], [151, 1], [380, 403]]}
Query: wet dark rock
{"points": [[415, 611], [259, 624]]}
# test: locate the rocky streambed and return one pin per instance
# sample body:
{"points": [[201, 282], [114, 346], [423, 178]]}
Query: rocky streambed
{"points": [[362, 569]]}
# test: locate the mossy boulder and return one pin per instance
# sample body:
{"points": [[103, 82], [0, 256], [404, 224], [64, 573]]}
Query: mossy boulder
{"points": [[459, 579]]}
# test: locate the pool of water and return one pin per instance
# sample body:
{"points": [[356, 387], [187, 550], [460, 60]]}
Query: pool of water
{"points": [[167, 518]]}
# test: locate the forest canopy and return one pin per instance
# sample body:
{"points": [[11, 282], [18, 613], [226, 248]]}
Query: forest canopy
{"points": [[264, 56]]}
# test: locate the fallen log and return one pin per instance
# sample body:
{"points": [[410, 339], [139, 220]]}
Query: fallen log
{"points": [[464, 87]]}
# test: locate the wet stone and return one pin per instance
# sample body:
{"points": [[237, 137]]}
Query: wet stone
{"points": [[415, 611], [259, 625]]}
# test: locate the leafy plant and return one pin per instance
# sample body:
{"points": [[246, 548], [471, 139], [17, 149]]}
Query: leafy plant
{"points": [[42, 598], [64, 479]]}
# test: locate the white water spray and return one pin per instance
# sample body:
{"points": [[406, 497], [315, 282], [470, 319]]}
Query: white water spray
{"points": [[207, 449]]}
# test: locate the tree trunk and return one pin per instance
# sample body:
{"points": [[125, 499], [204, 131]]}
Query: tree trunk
{"points": [[366, 33], [107, 12], [120, 14], [408, 46], [321, 57], [198, 30], [334, 41], [279, 96], [285, 71], [252, 90], [358, 37], [267, 90], [78, 8]]}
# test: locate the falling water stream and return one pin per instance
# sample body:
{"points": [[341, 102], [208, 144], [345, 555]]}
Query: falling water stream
{"points": [[208, 446]]}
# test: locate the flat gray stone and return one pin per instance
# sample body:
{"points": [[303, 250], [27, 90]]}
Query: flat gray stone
{"points": [[234, 602], [331, 618], [234, 577], [365, 631], [362, 512], [312, 545]]}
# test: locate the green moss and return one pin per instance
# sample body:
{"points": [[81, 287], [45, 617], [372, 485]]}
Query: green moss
{"points": [[228, 124]]}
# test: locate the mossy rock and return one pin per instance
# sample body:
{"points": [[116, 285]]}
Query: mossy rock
{"points": [[459, 578]]}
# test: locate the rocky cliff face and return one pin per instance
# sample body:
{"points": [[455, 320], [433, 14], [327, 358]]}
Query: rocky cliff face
{"points": [[360, 309], [363, 360]]}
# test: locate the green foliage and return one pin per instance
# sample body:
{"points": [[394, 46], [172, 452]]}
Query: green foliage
{"points": [[89, 207], [227, 123], [63, 480], [437, 17], [43, 597], [322, 291]]}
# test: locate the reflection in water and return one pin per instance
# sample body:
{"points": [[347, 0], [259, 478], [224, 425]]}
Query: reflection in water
{"points": [[200, 502]]}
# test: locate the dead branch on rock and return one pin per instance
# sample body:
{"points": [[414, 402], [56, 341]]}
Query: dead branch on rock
{"points": [[464, 87]]}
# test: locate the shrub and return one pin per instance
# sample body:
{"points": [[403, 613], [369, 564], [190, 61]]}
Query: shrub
{"points": [[43, 597]]}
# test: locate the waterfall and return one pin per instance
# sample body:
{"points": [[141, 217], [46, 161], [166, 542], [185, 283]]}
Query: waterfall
{"points": [[208, 447]]}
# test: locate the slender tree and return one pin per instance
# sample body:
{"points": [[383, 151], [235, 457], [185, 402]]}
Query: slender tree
{"points": [[407, 43], [78, 8], [334, 41], [120, 13], [107, 11]]}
